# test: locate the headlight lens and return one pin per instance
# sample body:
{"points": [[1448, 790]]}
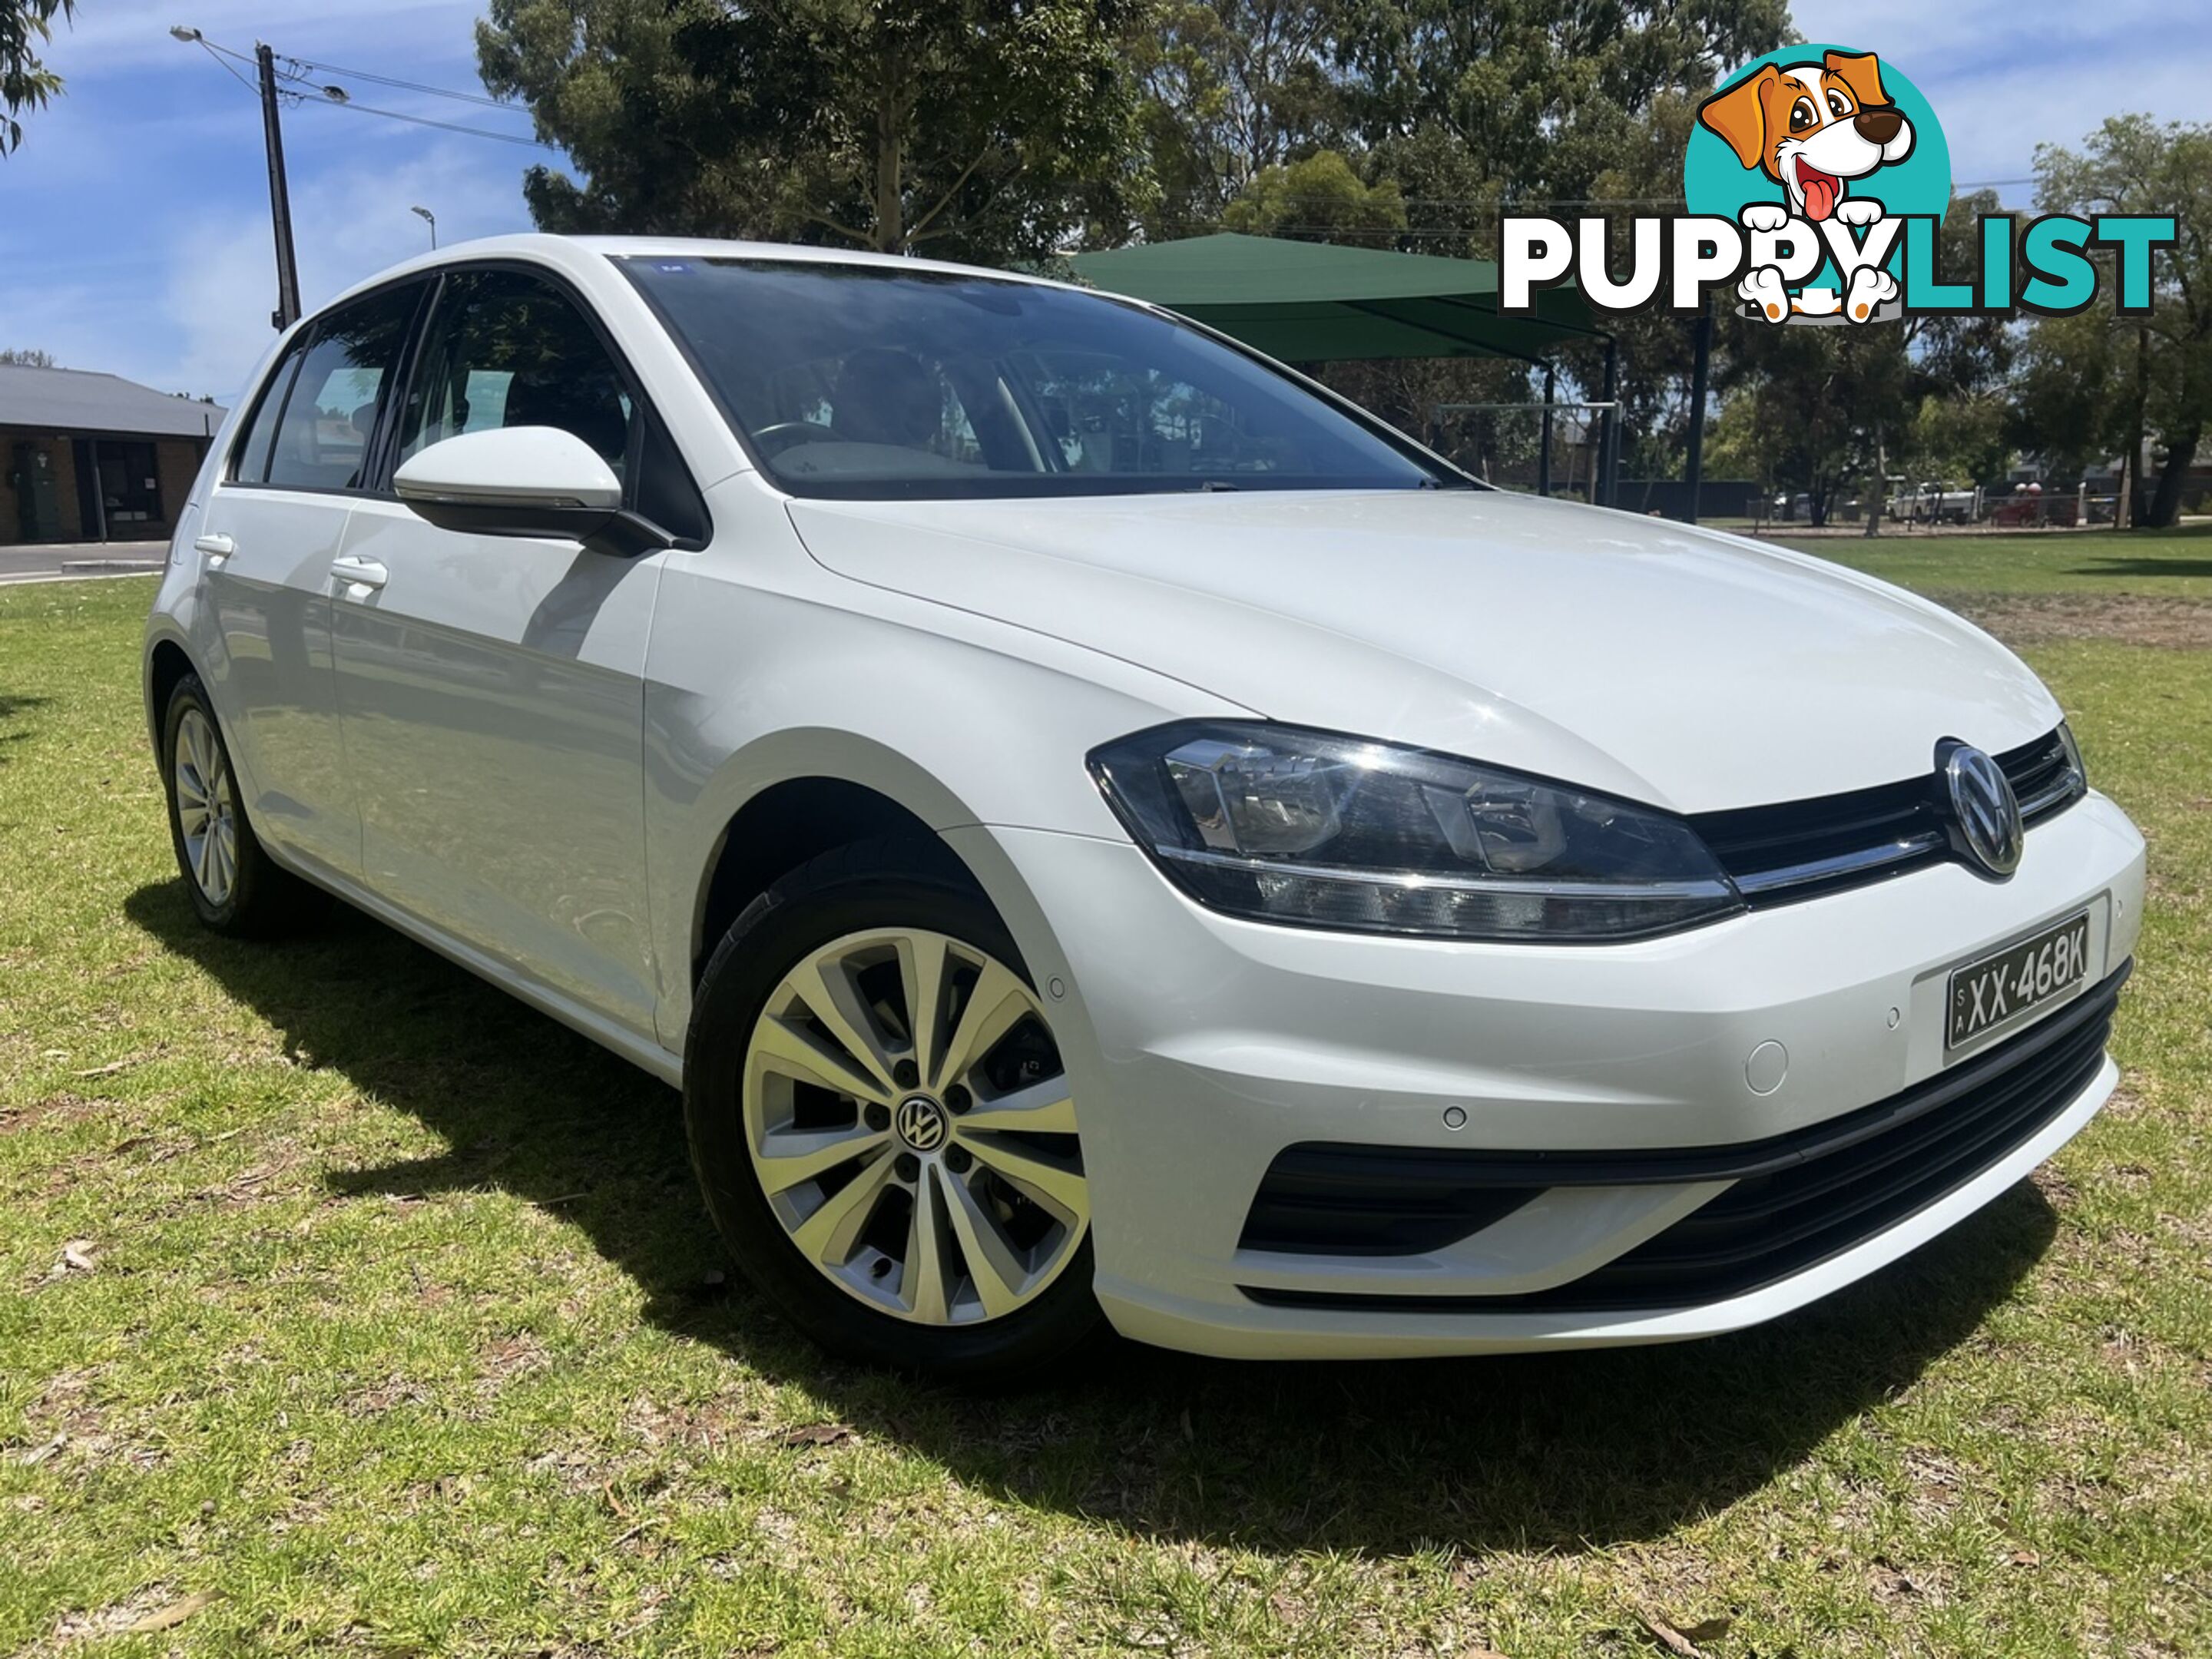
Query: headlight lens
{"points": [[1286, 825]]}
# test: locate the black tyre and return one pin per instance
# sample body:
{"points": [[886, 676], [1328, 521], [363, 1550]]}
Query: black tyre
{"points": [[235, 885], [882, 1125]]}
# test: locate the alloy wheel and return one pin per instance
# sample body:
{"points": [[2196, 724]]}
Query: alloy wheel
{"points": [[207, 807], [912, 1125]]}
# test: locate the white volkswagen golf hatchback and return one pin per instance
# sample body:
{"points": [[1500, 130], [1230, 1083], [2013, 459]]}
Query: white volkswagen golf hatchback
{"points": [[1098, 826]]}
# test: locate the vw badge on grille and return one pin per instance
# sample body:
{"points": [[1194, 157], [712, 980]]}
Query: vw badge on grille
{"points": [[1985, 809]]}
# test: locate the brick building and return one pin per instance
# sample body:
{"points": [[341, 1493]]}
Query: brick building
{"points": [[92, 458]]}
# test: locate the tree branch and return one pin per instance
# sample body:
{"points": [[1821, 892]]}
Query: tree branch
{"points": [[857, 238], [944, 201]]}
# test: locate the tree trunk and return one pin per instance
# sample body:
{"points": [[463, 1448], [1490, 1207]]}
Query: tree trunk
{"points": [[2165, 504], [890, 158], [2123, 509], [1878, 496]]}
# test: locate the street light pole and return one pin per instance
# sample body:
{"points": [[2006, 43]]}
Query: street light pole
{"points": [[429, 219], [280, 199]]}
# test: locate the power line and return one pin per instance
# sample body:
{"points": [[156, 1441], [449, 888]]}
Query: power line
{"points": [[425, 121], [295, 74], [231, 69], [404, 86], [298, 67]]}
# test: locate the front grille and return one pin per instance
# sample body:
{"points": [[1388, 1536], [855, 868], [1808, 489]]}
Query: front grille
{"points": [[1802, 849], [1798, 1199]]}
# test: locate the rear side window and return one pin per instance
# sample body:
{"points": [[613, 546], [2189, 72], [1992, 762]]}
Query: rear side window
{"points": [[505, 349], [314, 427]]}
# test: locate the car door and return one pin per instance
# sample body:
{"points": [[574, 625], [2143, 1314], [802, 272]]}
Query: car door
{"points": [[492, 687], [272, 526]]}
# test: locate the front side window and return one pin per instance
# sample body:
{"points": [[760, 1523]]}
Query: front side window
{"points": [[506, 348], [313, 429], [871, 381]]}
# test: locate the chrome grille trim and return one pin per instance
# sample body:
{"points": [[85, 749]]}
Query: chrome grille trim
{"points": [[1910, 849]]}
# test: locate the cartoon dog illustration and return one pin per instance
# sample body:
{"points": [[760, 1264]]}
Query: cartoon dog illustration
{"points": [[1813, 128]]}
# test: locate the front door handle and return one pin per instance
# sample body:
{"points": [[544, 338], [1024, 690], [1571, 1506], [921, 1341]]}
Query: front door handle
{"points": [[217, 548], [357, 572]]}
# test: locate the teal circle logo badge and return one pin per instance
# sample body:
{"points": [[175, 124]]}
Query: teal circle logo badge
{"points": [[1808, 145]]}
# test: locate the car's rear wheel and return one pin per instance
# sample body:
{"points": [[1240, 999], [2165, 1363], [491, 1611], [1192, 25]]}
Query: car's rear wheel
{"points": [[883, 1124], [235, 887]]}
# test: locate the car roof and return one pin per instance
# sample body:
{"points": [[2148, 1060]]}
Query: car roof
{"points": [[563, 251]]}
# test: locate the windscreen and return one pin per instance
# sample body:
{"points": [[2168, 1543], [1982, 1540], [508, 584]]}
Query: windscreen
{"points": [[867, 381]]}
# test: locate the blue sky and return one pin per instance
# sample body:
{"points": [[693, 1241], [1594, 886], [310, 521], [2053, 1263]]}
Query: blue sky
{"points": [[134, 221], [134, 227]]}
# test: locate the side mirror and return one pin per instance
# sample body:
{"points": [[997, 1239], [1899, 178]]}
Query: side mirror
{"points": [[533, 481]]}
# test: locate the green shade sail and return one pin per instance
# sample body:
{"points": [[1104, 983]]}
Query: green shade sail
{"points": [[1313, 302]]}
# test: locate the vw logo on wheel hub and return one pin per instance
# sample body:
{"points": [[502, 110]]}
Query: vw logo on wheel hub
{"points": [[920, 1123], [1985, 809]]}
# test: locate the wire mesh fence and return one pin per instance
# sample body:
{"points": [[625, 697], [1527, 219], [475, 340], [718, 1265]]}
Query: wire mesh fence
{"points": [[1546, 448]]}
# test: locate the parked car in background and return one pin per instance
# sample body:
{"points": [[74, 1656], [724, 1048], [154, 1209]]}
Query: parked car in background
{"points": [[1938, 502], [2030, 507], [1098, 827]]}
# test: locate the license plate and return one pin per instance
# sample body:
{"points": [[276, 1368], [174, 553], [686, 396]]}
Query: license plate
{"points": [[2006, 986]]}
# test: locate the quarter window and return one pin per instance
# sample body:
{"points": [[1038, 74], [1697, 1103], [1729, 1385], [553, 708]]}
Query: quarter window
{"points": [[250, 464], [507, 349]]}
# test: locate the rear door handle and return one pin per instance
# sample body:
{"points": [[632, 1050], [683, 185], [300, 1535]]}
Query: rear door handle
{"points": [[215, 547], [357, 572]]}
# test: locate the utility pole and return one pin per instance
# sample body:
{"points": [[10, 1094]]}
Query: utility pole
{"points": [[280, 199]]}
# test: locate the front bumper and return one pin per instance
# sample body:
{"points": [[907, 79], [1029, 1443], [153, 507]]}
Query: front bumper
{"points": [[1203, 1048]]}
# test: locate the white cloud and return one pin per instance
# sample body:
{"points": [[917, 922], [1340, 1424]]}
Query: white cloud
{"points": [[1962, 33], [348, 224], [1982, 119], [2006, 76], [134, 33]]}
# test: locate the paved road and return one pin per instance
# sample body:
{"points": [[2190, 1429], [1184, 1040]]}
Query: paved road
{"points": [[75, 560]]}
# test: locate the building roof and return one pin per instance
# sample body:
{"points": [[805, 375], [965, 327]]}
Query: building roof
{"points": [[1316, 302], [73, 400]]}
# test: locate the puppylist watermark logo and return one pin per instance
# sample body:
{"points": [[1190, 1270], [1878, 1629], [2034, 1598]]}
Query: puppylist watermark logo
{"points": [[1816, 183]]}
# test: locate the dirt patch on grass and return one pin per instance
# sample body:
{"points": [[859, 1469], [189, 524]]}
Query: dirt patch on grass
{"points": [[2018, 619], [58, 1110]]}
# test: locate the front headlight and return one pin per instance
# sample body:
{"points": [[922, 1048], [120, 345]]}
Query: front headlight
{"points": [[1285, 825]]}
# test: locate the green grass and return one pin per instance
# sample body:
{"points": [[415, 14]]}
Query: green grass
{"points": [[2157, 564], [403, 1334]]}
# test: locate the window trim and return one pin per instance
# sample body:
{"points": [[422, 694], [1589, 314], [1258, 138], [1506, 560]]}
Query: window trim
{"points": [[309, 337], [387, 459]]}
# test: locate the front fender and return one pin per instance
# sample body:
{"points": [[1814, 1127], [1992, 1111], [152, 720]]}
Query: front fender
{"points": [[961, 721]]}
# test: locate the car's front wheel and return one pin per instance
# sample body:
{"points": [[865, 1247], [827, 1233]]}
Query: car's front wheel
{"points": [[882, 1123]]}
